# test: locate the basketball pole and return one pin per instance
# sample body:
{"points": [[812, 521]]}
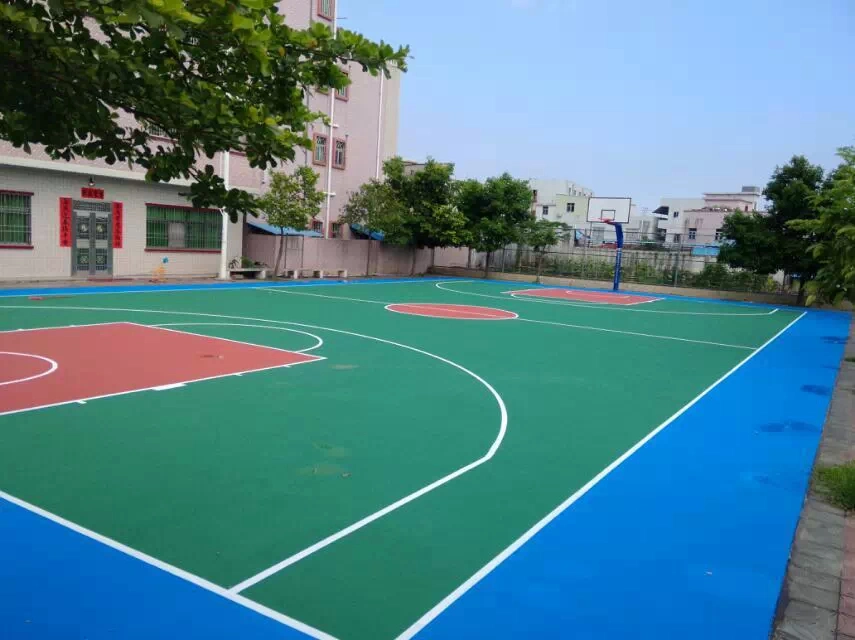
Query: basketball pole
{"points": [[618, 254]]}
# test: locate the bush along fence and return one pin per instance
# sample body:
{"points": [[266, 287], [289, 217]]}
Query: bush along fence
{"points": [[654, 263]]}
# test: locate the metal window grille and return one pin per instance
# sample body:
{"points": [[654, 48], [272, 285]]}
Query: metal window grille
{"points": [[343, 93], [336, 229], [718, 235], [320, 149], [325, 8], [177, 228], [693, 234], [340, 153], [156, 130], [15, 219], [317, 226]]}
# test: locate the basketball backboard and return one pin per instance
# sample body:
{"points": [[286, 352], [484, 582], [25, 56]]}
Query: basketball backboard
{"points": [[614, 209]]}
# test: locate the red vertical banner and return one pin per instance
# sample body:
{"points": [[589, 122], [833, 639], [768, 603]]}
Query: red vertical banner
{"points": [[65, 222], [118, 224]]}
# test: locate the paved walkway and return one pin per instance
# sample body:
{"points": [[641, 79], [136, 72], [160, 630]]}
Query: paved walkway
{"points": [[818, 598]]}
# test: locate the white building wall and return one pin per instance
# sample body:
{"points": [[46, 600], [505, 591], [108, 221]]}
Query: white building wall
{"points": [[47, 260]]}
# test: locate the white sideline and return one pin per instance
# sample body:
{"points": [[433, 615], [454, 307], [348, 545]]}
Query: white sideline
{"points": [[604, 306], [180, 573], [318, 341], [479, 575]]}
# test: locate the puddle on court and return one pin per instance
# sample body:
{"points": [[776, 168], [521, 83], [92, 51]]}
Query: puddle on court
{"points": [[788, 425]]}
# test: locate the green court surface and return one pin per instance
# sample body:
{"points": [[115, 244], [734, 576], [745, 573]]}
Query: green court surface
{"points": [[356, 492]]}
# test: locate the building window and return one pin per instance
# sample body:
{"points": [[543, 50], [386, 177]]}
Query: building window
{"points": [[718, 235], [172, 227], [15, 218], [325, 8], [320, 153], [340, 155], [336, 229], [571, 207], [678, 237], [344, 92], [317, 226], [746, 208], [676, 214], [155, 130], [693, 234], [545, 210]]}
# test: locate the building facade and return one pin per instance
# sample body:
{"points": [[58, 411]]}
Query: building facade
{"points": [[560, 201], [85, 218], [699, 220]]}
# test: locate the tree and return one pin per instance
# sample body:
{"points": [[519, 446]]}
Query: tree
{"points": [[767, 242], [95, 78], [376, 208], [540, 235], [427, 197], [292, 200], [495, 210], [834, 232]]}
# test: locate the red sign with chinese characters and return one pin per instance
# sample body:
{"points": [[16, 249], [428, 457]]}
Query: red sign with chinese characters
{"points": [[92, 193], [118, 224], [65, 222]]}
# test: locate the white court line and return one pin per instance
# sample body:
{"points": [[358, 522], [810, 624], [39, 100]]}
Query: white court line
{"points": [[572, 326], [164, 327], [180, 573], [167, 387], [53, 367], [479, 575], [312, 358], [563, 303], [637, 333], [364, 521], [66, 326], [320, 295], [318, 341]]}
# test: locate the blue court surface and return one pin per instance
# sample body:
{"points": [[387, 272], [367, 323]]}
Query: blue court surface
{"points": [[679, 528]]}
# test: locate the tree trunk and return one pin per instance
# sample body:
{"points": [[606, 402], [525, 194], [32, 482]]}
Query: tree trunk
{"points": [[368, 261], [486, 264], [279, 253], [800, 299], [413, 265], [469, 259]]}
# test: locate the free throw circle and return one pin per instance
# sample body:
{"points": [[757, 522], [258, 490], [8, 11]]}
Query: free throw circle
{"points": [[21, 367], [451, 311]]}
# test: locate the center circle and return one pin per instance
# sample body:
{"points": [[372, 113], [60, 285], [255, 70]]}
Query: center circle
{"points": [[450, 311], [20, 367]]}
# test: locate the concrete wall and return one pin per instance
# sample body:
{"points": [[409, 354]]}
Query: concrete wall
{"points": [[47, 259], [335, 253]]}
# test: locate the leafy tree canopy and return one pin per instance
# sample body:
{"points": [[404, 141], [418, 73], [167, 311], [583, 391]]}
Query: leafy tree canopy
{"points": [[834, 231], [214, 75], [495, 210], [375, 207], [766, 242]]}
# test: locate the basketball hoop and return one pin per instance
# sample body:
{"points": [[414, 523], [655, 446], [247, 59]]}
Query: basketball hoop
{"points": [[608, 221]]}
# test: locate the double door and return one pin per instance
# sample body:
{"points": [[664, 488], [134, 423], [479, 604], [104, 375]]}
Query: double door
{"points": [[93, 238]]}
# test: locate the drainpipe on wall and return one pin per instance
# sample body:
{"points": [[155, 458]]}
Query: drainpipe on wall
{"points": [[330, 140], [224, 247], [379, 127]]}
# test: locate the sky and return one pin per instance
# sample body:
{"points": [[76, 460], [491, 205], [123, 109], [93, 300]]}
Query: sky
{"points": [[640, 98]]}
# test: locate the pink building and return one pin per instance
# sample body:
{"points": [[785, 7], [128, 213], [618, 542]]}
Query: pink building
{"points": [[699, 220], [89, 219]]}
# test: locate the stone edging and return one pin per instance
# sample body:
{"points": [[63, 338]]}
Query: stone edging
{"points": [[817, 599]]}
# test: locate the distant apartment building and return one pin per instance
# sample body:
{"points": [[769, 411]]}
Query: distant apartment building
{"points": [[699, 220], [560, 201], [86, 218]]}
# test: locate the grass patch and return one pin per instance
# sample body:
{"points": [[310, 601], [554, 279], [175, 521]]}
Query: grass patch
{"points": [[837, 484]]}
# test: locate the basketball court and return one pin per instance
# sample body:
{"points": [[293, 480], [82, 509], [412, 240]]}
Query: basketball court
{"points": [[450, 459]]}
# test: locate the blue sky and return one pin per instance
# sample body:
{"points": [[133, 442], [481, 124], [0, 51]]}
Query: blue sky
{"points": [[645, 98]]}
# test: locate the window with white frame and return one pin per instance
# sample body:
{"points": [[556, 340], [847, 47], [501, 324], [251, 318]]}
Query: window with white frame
{"points": [[325, 8], [718, 235], [571, 207], [545, 211], [693, 234], [320, 152]]}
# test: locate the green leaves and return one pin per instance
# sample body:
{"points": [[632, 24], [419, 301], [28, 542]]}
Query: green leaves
{"points": [[216, 75]]}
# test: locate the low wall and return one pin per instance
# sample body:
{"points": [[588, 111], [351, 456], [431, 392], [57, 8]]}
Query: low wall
{"points": [[336, 253], [743, 296]]}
